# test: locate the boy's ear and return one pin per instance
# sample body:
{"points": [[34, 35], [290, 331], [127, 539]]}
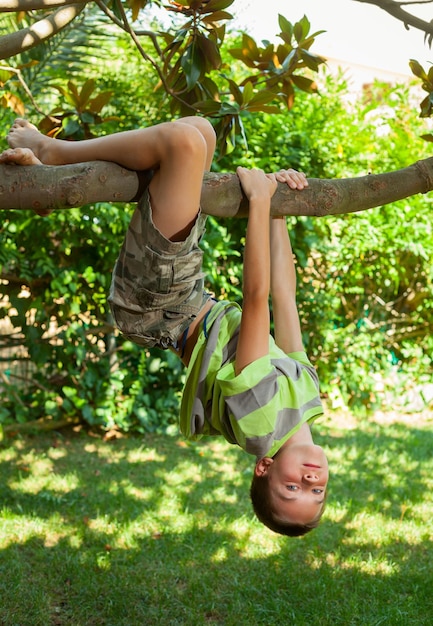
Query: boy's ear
{"points": [[262, 466]]}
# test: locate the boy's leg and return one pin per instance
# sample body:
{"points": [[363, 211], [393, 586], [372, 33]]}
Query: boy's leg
{"points": [[175, 189], [179, 152]]}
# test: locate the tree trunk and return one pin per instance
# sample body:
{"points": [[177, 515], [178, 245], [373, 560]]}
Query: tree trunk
{"points": [[62, 187]]}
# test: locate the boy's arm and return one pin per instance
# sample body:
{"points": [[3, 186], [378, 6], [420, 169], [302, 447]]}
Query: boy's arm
{"points": [[254, 331], [287, 327]]}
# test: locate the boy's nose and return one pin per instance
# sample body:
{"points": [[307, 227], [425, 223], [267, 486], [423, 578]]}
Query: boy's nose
{"points": [[311, 477]]}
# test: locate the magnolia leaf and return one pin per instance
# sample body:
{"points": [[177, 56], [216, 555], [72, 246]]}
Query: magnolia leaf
{"points": [[86, 91], [98, 103], [70, 127], [236, 92], [417, 69], [301, 29], [67, 96], [210, 51], [218, 16], [11, 101], [291, 60], [209, 107], [4, 76], [262, 97], [247, 93], [136, 6], [217, 5], [248, 52], [192, 64], [426, 106], [304, 83], [87, 117], [262, 108], [311, 60], [286, 28]]}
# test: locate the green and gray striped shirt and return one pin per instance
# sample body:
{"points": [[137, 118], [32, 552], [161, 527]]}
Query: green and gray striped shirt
{"points": [[258, 410]]}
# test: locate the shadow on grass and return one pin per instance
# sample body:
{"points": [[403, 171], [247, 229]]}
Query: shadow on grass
{"points": [[131, 533], [382, 469]]}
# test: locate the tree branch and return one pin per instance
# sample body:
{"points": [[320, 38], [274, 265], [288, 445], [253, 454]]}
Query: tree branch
{"points": [[61, 187], [11, 6], [27, 38], [395, 9]]}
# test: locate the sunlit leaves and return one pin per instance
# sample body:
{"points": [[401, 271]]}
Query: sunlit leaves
{"points": [[13, 102], [277, 67], [136, 6], [185, 58], [427, 84], [268, 75], [85, 106]]}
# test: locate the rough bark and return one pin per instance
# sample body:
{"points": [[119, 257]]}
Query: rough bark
{"points": [[35, 5], [61, 187]]}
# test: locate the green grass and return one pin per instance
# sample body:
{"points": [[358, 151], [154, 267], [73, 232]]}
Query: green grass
{"points": [[155, 531]]}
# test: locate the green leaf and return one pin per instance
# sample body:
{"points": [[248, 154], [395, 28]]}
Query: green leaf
{"points": [[209, 52], [86, 91], [4, 76], [427, 106], [304, 83], [247, 93], [286, 28], [218, 16], [98, 103], [312, 61], [217, 5], [87, 118], [248, 53], [208, 107], [262, 97], [192, 65], [291, 60], [263, 108], [70, 127], [236, 92], [417, 69]]}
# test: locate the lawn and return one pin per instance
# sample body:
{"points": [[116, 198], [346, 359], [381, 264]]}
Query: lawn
{"points": [[156, 531]]}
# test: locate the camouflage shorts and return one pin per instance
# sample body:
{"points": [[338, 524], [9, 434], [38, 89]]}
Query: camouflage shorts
{"points": [[157, 287]]}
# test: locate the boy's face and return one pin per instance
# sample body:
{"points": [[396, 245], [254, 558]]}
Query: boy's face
{"points": [[298, 476]]}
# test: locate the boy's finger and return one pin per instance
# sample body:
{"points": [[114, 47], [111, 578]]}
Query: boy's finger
{"points": [[295, 180]]}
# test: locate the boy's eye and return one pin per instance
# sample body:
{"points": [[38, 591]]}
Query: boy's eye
{"points": [[291, 487], [317, 490]]}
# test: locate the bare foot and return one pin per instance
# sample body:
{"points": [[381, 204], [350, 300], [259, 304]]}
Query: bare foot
{"points": [[23, 156], [25, 135], [19, 156]]}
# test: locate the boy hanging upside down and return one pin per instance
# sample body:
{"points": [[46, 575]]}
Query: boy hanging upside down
{"points": [[259, 392]]}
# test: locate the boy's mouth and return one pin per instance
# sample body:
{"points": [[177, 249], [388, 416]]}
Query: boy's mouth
{"points": [[311, 465]]}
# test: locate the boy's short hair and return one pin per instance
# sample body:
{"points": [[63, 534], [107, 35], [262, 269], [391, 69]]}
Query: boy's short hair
{"points": [[261, 501]]}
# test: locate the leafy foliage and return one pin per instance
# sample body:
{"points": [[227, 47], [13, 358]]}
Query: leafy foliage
{"points": [[426, 105], [183, 51], [184, 59]]}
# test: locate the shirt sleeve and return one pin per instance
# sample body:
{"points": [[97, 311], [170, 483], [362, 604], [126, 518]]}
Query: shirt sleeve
{"points": [[248, 378], [301, 357]]}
